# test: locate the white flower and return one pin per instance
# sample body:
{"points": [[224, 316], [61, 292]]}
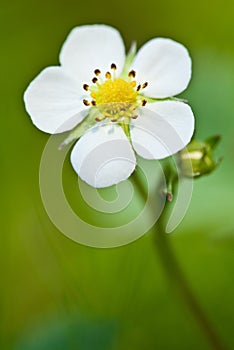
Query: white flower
{"points": [[92, 76]]}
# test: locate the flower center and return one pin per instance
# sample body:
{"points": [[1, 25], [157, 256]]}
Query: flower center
{"points": [[115, 98], [117, 90]]}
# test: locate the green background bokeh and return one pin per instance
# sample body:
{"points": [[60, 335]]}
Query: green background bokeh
{"points": [[56, 294]]}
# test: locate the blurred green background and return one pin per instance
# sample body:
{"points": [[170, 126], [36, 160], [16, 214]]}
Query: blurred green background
{"points": [[57, 294]]}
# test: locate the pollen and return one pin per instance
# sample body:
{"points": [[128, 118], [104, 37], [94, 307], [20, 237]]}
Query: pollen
{"points": [[118, 90]]}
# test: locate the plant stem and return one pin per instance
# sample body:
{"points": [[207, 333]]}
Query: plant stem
{"points": [[175, 274]]}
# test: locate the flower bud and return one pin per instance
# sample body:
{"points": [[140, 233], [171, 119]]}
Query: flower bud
{"points": [[197, 158]]}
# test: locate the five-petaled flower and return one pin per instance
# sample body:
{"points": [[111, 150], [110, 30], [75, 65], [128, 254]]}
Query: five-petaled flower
{"points": [[130, 101]]}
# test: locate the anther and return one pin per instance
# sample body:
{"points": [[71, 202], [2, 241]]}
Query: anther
{"points": [[134, 116], [114, 120], [113, 66], [98, 119], [97, 72], [144, 85], [108, 75], [138, 88], [144, 102], [94, 80], [86, 102], [93, 103], [132, 74], [86, 87]]}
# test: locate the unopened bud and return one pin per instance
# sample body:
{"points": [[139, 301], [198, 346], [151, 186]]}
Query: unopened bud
{"points": [[197, 158]]}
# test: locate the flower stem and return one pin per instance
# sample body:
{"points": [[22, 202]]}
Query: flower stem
{"points": [[176, 275]]}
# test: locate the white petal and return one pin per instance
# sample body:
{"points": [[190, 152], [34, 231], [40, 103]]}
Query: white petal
{"points": [[103, 156], [54, 101], [90, 47], [162, 129], [165, 65]]}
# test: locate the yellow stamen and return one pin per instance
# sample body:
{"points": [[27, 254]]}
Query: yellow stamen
{"points": [[86, 87], [86, 102], [116, 99], [108, 75], [97, 72], [132, 74]]}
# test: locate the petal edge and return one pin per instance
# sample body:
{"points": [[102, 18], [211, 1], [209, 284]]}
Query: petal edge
{"points": [[163, 129], [166, 65], [53, 101], [89, 47], [103, 156]]}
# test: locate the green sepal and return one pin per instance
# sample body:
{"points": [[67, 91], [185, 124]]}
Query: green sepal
{"points": [[128, 61], [81, 128], [152, 99], [125, 125], [213, 141]]}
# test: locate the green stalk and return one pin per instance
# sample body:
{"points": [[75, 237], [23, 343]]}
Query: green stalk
{"points": [[175, 273]]}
